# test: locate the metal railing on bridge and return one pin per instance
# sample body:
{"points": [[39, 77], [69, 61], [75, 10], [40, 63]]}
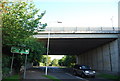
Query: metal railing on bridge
{"points": [[80, 30]]}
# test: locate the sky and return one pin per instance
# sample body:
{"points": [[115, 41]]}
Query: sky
{"points": [[79, 13], [56, 56]]}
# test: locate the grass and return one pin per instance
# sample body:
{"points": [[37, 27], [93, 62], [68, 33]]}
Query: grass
{"points": [[62, 67], [109, 76], [51, 77], [12, 78]]}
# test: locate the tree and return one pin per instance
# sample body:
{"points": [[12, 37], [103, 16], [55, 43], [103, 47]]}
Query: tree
{"points": [[20, 23], [46, 60], [54, 62], [61, 62], [67, 60]]}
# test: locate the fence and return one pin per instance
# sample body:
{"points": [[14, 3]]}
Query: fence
{"points": [[81, 29]]}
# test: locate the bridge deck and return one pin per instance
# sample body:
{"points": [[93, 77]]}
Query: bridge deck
{"points": [[79, 30], [71, 41]]}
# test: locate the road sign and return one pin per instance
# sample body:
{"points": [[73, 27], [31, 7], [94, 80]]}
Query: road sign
{"points": [[19, 50]]}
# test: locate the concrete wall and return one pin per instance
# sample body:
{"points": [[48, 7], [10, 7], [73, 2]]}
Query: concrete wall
{"points": [[103, 58], [119, 33], [119, 53]]}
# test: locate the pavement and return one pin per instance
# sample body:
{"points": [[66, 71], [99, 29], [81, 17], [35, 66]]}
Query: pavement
{"points": [[35, 75]]}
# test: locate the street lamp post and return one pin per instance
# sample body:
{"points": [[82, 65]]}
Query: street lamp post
{"points": [[48, 44], [46, 72], [112, 21]]}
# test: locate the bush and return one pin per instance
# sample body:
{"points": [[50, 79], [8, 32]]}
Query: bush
{"points": [[6, 65], [6, 71]]}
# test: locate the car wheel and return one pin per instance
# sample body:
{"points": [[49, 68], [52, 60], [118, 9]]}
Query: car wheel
{"points": [[74, 72]]}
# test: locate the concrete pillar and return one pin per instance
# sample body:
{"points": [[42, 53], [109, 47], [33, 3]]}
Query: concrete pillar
{"points": [[114, 55], [94, 59], [119, 36], [82, 59], [106, 57], [87, 58], [100, 59], [97, 59], [103, 58], [90, 58], [119, 55], [77, 60], [119, 15]]}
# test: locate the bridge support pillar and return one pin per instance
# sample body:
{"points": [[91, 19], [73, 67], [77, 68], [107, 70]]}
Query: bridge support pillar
{"points": [[77, 56], [104, 58], [119, 55], [119, 36]]}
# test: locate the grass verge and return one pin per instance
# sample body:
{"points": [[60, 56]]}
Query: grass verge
{"points": [[109, 76], [51, 77], [12, 78]]}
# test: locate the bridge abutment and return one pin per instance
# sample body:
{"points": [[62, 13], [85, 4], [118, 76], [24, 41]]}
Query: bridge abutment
{"points": [[119, 35], [119, 54], [104, 58]]}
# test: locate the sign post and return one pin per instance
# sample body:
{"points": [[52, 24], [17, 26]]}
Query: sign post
{"points": [[25, 66], [25, 52], [19, 50], [12, 63]]}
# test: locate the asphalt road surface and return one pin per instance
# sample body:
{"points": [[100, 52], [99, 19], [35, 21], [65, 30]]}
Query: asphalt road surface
{"points": [[65, 74]]}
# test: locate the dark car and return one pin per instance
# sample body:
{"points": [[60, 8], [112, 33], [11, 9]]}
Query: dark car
{"points": [[83, 71]]}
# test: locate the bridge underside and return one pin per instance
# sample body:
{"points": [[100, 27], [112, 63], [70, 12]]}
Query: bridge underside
{"points": [[74, 46]]}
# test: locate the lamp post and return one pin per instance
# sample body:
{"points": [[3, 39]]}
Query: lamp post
{"points": [[48, 45], [46, 70], [112, 21]]}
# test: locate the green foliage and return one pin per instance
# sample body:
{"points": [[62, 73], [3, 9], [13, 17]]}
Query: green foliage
{"points": [[110, 76], [52, 78], [36, 49], [68, 61], [19, 22], [54, 62], [44, 60], [5, 65], [12, 78], [61, 61]]}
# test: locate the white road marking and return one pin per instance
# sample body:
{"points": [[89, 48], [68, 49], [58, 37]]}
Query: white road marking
{"points": [[77, 77], [68, 74]]}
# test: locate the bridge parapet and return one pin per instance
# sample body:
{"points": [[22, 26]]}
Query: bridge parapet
{"points": [[80, 30]]}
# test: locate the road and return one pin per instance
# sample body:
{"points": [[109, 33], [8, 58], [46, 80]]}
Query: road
{"points": [[62, 73]]}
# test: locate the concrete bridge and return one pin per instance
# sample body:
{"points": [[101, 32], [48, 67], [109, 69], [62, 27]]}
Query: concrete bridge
{"points": [[97, 47]]}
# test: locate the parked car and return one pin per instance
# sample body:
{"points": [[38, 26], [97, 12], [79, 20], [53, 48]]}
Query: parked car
{"points": [[83, 71]]}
